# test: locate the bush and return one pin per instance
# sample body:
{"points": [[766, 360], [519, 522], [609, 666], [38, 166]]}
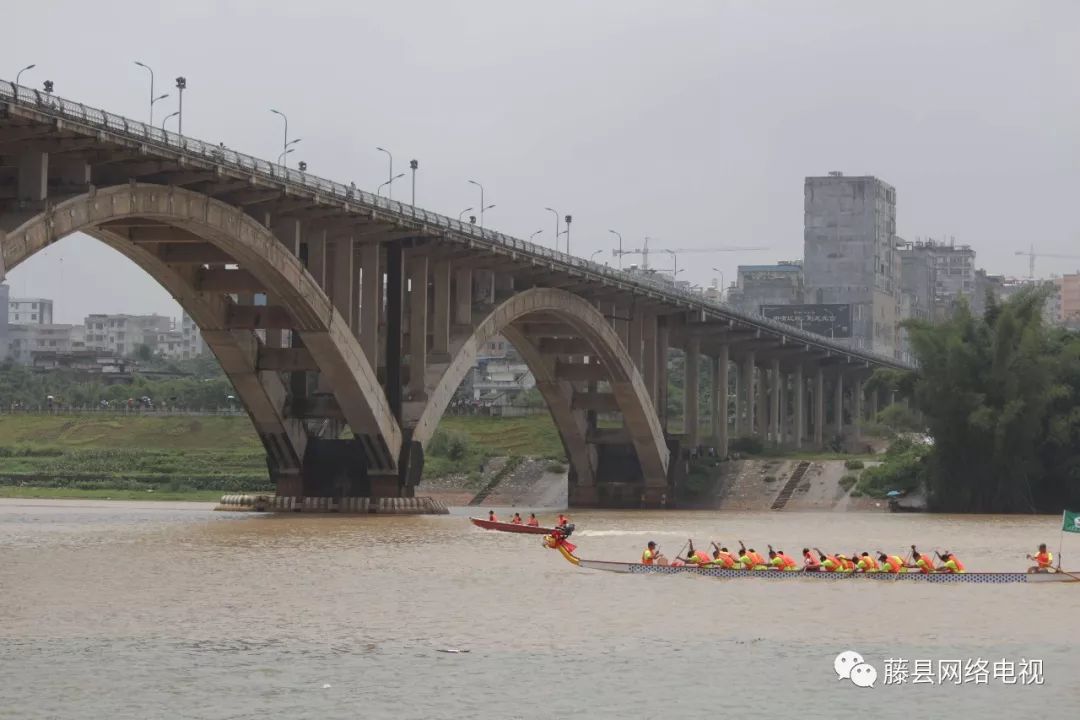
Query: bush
{"points": [[749, 445], [555, 468], [854, 464], [902, 470], [451, 445], [899, 418], [848, 481]]}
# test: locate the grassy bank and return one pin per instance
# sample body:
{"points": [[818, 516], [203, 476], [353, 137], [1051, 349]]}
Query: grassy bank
{"points": [[180, 457]]}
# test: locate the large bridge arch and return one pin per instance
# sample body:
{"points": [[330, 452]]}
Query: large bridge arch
{"points": [[583, 322], [228, 236]]}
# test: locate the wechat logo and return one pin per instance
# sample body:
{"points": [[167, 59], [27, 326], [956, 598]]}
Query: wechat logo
{"points": [[849, 665]]}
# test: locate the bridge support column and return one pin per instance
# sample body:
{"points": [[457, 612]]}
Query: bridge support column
{"points": [[799, 393], [463, 297], [690, 393], [838, 404], [418, 313], [874, 405], [342, 278], [395, 309], [819, 408], [33, 178], [747, 377], [775, 419], [720, 402], [761, 429], [440, 342], [370, 300], [633, 336], [663, 336], [648, 337], [857, 405]]}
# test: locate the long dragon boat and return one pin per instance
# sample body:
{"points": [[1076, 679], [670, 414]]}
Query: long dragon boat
{"points": [[510, 527], [718, 572]]}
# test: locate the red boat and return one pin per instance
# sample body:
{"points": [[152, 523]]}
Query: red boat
{"points": [[510, 527]]}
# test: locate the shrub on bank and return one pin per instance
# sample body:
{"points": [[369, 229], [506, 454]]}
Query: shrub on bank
{"points": [[854, 464]]}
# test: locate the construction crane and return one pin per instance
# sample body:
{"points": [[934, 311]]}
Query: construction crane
{"points": [[1032, 255], [644, 251]]}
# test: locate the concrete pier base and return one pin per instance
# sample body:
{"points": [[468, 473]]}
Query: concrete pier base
{"points": [[345, 505]]}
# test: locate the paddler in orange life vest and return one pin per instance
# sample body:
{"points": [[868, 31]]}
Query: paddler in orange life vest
{"points": [[810, 563], [492, 517], [697, 557], [780, 560], [533, 522], [951, 564], [756, 561], [866, 564], [516, 520], [829, 563], [922, 563], [891, 563], [723, 558], [1044, 560], [651, 554], [846, 563], [563, 520]]}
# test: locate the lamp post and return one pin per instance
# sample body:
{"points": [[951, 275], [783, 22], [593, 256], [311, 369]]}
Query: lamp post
{"points": [[19, 74], [568, 218], [674, 260], [557, 233], [718, 270], [286, 143], [461, 214], [482, 208], [181, 85], [615, 232], [413, 164], [390, 174], [389, 193], [595, 253], [534, 235], [152, 96], [168, 118]]}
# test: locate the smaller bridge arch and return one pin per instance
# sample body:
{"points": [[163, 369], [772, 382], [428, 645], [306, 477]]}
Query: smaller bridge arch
{"points": [[597, 355]]}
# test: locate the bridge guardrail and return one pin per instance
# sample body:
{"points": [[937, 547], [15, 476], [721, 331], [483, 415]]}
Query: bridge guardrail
{"points": [[221, 155]]}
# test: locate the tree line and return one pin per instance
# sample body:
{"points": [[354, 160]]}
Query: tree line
{"points": [[1000, 397]]}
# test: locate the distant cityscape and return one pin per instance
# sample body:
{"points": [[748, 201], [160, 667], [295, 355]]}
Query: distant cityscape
{"points": [[28, 336]]}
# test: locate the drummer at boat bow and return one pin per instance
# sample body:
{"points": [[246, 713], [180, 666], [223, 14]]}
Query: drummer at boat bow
{"points": [[1044, 560], [652, 555]]}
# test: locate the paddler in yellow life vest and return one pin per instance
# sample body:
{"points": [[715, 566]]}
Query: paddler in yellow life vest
{"points": [[723, 558], [744, 561], [1044, 560], [652, 555], [697, 557], [950, 563], [866, 564], [922, 563], [756, 561], [829, 563], [846, 563], [891, 563]]}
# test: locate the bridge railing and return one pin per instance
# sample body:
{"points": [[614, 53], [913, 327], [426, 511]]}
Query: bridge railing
{"points": [[222, 155]]}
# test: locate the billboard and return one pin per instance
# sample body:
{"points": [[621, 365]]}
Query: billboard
{"points": [[830, 320]]}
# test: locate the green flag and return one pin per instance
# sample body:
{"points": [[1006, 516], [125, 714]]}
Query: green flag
{"points": [[1070, 522]]}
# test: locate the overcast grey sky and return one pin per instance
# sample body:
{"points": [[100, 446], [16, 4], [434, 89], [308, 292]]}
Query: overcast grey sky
{"points": [[691, 122]]}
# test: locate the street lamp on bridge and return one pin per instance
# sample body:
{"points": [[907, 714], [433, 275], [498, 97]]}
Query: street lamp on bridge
{"points": [[153, 98], [461, 214], [390, 174], [168, 118], [534, 235], [181, 85], [286, 143], [718, 270], [557, 233], [390, 183], [593, 256], [619, 234], [482, 207], [674, 260], [19, 74]]}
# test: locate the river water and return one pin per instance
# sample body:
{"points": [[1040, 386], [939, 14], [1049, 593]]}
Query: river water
{"points": [[124, 610]]}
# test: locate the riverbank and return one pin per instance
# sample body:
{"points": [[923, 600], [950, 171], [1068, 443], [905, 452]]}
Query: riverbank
{"points": [[67, 493]]}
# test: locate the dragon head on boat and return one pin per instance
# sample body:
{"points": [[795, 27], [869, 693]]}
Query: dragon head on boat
{"points": [[557, 540]]}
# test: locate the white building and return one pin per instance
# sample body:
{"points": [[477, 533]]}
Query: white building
{"points": [[24, 311], [25, 340], [192, 344], [124, 334]]}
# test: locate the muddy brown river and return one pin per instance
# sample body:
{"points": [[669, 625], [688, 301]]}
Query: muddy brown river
{"points": [[164, 610]]}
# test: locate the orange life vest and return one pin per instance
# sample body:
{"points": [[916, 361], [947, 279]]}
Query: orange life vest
{"points": [[724, 559], [1044, 559], [833, 564], [810, 561], [699, 557], [925, 564], [871, 563], [563, 520], [787, 561], [516, 521], [533, 522], [647, 557], [959, 565], [758, 560], [894, 564], [848, 563], [492, 517]]}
